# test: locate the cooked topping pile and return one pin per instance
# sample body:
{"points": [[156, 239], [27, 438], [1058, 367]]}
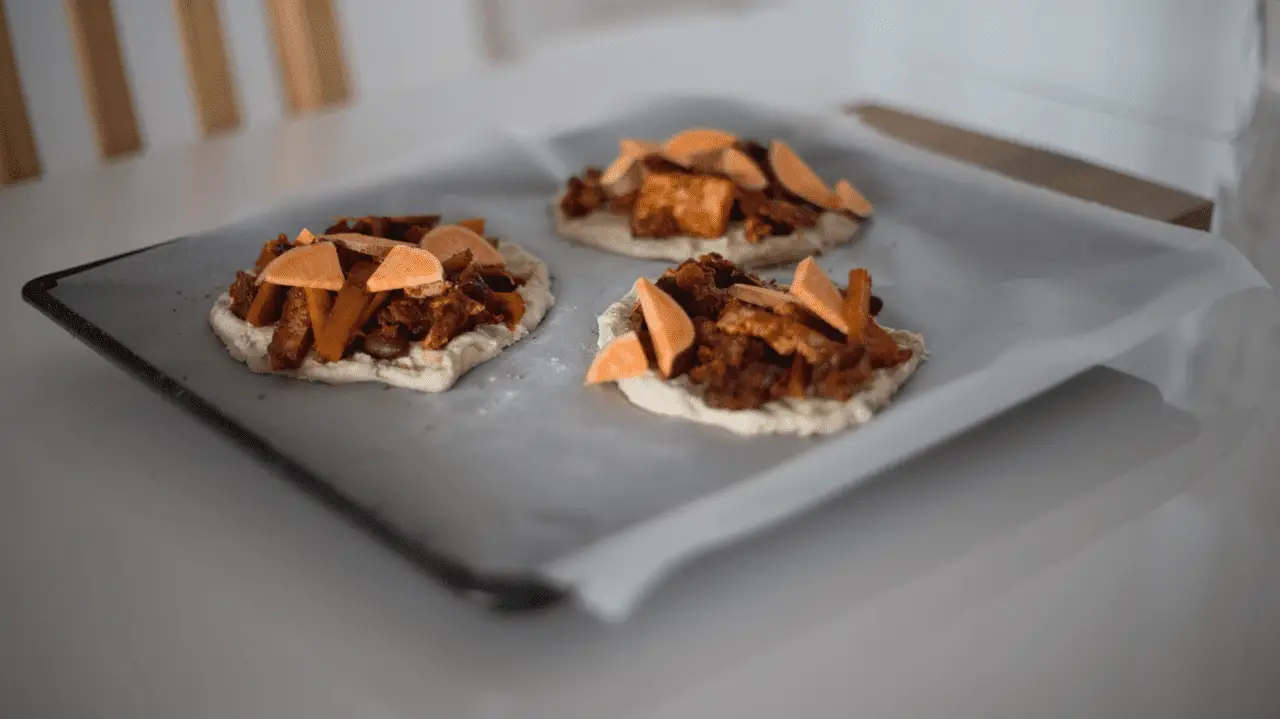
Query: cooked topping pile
{"points": [[746, 341], [376, 285], [699, 181]]}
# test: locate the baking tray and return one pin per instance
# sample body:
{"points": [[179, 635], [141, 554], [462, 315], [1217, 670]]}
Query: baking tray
{"points": [[519, 485]]}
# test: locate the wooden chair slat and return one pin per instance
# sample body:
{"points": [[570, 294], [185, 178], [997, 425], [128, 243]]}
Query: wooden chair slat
{"points": [[309, 50], [18, 157], [106, 89], [209, 70]]}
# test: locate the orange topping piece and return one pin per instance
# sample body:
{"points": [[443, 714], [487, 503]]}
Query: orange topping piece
{"points": [[307, 266], [816, 292], [374, 304], [512, 306], [852, 200], [799, 178], [406, 266], [622, 358], [446, 241], [623, 175], [271, 250], [761, 296], [344, 319], [475, 224], [266, 306], [318, 304], [798, 377], [365, 244], [304, 238], [734, 164], [669, 326], [857, 306], [684, 148], [639, 148]]}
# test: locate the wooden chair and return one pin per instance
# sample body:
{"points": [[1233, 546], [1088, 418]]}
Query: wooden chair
{"points": [[308, 50]]}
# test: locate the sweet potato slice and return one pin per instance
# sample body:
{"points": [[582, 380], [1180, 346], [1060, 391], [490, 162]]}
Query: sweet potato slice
{"points": [[684, 148], [798, 377], [857, 305], [266, 306], [799, 178], [852, 201], [406, 266], [344, 318], [623, 176], [761, 296], [735, 165], [313, 265], [271, 250], [512, 307], [446, 241], [620, 359], [375, 303], [670, 328], [814, 290], [319, 302]]}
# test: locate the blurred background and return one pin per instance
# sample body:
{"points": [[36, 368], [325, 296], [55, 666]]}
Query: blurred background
{"points": [[1178, 92], [1161, 89]]}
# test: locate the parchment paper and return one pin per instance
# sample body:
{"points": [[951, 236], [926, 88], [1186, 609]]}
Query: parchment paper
{"points": [[521, 469]]}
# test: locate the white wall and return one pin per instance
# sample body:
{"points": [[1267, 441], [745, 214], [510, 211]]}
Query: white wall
{"points": [[395, 45], [1154, 87], [1273, 42], [522, 26]]}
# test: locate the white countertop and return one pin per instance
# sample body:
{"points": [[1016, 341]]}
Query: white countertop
{"points": [[1100, 552]]}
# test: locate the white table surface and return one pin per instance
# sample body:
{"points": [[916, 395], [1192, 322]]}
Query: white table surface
{"points": [[1100, 552]]}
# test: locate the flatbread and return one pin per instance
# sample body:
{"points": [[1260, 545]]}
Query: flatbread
{"points": [[681, 398], [611, 232], [422, 369]]}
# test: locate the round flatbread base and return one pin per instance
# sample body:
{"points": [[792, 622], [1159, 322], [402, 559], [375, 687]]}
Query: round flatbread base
{"points": [[607, 231], [422, 369], [681, 398]]}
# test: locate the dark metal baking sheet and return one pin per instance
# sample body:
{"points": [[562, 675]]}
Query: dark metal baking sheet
{"points": [[499, 592], [519, 466]]}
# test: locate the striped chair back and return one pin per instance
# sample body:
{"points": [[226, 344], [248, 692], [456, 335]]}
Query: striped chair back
{"points": [[308, 54]]}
